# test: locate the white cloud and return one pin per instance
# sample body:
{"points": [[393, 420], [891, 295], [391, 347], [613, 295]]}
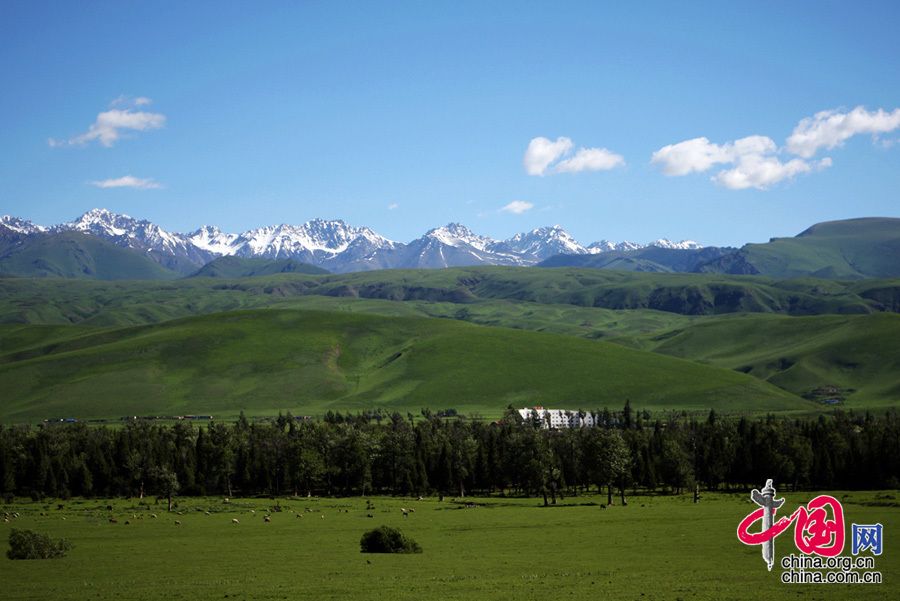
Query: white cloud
{"points": [[128, 101], [590, 159], [517, 207], [109, 125], [545, 156], [754, 160], [393, 206], [761, 171], [128, 181], [541, 152], [699, 154], [828, 129]]}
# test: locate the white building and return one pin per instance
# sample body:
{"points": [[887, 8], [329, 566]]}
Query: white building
{"points": [[558, 418]]}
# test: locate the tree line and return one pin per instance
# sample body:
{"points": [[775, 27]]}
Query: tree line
{"points": [[392, 454]]}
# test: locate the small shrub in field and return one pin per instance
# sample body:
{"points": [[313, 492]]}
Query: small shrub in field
{"points": [[387, 540], [26, 544]]}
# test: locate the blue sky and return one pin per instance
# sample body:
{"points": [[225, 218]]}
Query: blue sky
{"points": [[404, 117]]}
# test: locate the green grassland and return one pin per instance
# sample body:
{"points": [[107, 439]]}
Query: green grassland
{"points": [[241, 267], [263, 361], [859, 354], [852, 248], [47, 371], [54, 300], [658, 547], [77, 255]]}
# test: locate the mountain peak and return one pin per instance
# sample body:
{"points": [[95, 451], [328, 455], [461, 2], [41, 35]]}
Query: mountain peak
{"points": [[682, 245], [543, 242], [455, 234], [22, 226]]}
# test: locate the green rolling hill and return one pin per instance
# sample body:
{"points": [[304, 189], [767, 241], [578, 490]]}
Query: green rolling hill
{"points": [[28, 300], [308, 362], [76, 255], [812, 337], [848, 249], [240, 267], [851, 357]]}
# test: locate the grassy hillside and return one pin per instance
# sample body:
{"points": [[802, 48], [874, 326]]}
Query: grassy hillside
{"points": [[854, 357], [853, 248], [241, 267], [123, 303], [650, 259], [76, 255], [308, 362]]}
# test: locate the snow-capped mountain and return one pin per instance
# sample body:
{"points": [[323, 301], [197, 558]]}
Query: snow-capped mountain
{"points": [[316, 238], [213, 240], [541, 243], [607, 246], [332, 244], [452, 245], [683, 245], [174, 251], [20, 226]]}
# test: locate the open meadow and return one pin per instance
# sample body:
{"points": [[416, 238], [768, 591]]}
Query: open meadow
{"points": [[658, 547]]}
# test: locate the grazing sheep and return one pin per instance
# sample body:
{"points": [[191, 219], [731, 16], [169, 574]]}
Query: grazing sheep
{"points": [[177, 523], [235, 521], [153, 515], [207, 513], [300, 515], [252, 511], [405, 512], [267, 519], [226, 500], [421, 498], [322, 516]]}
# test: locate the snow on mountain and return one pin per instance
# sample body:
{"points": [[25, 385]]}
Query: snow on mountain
{"points": [[172, 250], [21, 226], [606, 246], [331, 244], [315, 240], [541, 243], [446, 246], [213, 240], [127, 231], [683, 245], [457, 235]]}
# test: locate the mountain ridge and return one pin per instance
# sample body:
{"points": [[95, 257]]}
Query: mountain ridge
{"points": [[331, 244]]}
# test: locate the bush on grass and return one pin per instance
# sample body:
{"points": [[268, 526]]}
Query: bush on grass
{"points": [[387, 540], [27, 544]]}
